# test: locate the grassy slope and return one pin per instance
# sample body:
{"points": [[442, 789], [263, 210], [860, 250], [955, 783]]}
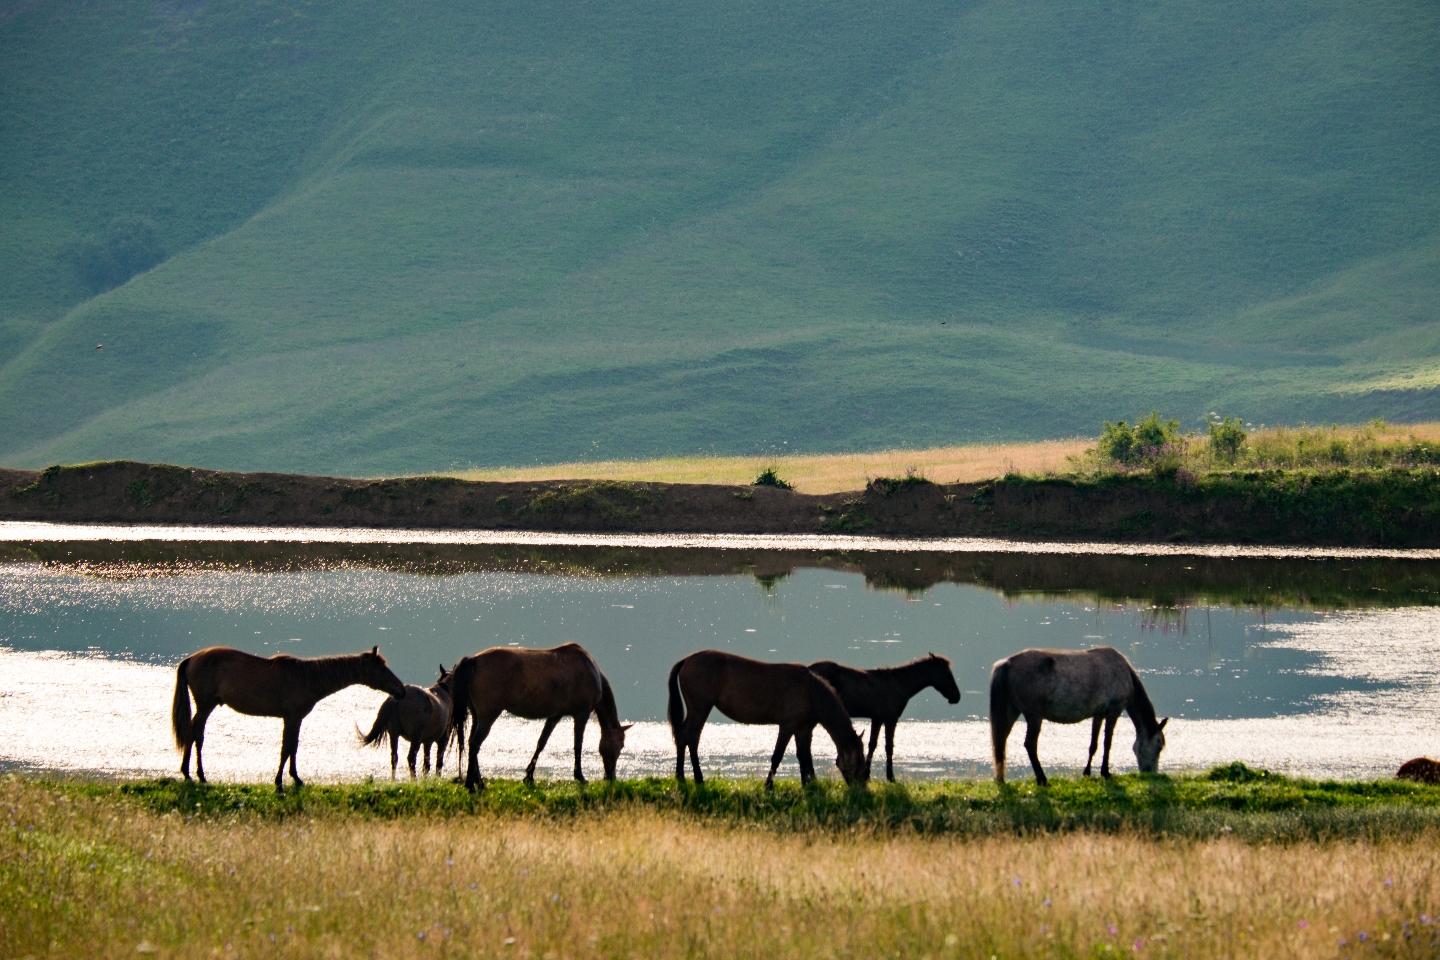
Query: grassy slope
{"points": [[509, 233]]}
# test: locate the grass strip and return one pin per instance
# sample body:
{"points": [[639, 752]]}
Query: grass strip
{"points": [[1253, 805]]}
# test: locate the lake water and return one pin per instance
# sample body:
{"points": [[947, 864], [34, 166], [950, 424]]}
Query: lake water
{"points": [[1306, 662]]}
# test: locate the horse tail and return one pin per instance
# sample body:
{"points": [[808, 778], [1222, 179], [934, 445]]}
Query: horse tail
{"points": [[381, 725], [675, 709], [180, 707], [1000, 715], [460, 680]]}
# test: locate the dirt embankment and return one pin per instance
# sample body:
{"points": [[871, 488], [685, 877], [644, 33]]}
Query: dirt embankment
{"points": [[1399, 509]]}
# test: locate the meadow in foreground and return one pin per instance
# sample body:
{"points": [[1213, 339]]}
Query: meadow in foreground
{"points": [[103, 869]]}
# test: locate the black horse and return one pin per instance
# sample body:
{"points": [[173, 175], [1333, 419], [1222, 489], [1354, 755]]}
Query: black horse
{"points": [[881, 694]]}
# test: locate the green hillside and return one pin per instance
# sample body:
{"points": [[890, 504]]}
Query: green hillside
{"points": [[398, 237]]}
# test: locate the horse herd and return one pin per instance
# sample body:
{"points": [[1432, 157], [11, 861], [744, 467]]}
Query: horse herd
{"points": [[1065, 686]]}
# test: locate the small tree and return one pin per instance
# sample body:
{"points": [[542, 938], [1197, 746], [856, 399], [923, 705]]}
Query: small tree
{"points": [[1146, 440], [1227, 436]]}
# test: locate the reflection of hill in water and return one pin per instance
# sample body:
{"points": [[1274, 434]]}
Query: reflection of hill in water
{"points": [[1163, 580]]}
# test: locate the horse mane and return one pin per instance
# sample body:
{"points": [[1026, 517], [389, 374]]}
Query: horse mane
{"points": [[915, 664], [606, 710], [1140, 708], [832, 710]]}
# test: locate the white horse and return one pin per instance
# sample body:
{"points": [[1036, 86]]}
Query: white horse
{"points": [[1068, 686]]}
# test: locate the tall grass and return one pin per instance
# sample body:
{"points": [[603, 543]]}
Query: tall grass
{"points": [[1374, 446], [84, 874]]}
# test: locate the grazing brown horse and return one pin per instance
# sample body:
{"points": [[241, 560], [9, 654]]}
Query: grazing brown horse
{"points": [[422, 717], [281, 686], [751, 691], [547, 685], [1068, 686], [881, 694], [1421, 770]]}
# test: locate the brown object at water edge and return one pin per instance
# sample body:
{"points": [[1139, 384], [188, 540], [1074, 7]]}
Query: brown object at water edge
{"points": [[1421, 770]]}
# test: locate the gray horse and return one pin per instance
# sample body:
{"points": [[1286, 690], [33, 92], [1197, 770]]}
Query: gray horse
{"points": [[420, 716], [1068, 686]]}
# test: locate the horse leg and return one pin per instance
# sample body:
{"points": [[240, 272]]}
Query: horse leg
{"points": [[197, 727], [580, 722], [1109, 735], [426, 751], [890, 750], [781, 743], [803, 738], [440, 753], [874, 739], [410, 757], [478, 733], [293, 735], [690, 737], [539, 748], [1000, 726], [394, 753], [290, 734], [1094, 740], [1032, 744]]}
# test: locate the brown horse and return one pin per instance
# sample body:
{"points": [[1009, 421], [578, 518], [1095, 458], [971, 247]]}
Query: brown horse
{"points": [[547, 685], [282, 686], [1068, 686], [422, 717], [751, 691], [881, 694]]}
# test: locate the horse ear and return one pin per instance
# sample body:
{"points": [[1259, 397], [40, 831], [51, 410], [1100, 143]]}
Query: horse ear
{"points": [[626, 726], [375, 649], [1163, 722]]}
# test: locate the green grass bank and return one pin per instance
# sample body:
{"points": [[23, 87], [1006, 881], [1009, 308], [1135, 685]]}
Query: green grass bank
{"points": [[1235, 801]]}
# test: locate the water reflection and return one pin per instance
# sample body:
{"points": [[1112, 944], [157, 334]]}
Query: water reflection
{"points": [[1322, 667]]}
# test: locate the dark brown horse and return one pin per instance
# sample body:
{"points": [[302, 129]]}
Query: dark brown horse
{"points": [[881, 694], [281, 686], [547, 685], [751, 691], [422, 717], [1068, 686]]}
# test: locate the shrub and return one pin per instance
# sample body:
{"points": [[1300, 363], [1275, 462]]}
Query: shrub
{"points": [[769, 478], [1149, 439], [1227, 436]]}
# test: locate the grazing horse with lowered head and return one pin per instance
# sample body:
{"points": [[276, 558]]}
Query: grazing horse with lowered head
{"points": [[1068, 686], [547, 685], [881, 694], [422, 717], [280, 686], [751, 691]]}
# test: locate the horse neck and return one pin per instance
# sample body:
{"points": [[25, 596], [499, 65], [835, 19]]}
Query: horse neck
{"points": [[606, 711], [1141, 710], [913, 677], [327, 675], [832, 713]]}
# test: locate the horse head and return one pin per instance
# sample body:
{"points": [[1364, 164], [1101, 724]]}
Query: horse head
{"points": [[375, 673], [612, 741], [942, 678], [1148, 747], [850, 758]]}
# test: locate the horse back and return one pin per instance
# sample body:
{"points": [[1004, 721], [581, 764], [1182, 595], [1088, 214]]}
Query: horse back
{"points": [[1068, 686], [858, 689], [752, 691], [535, 684]]}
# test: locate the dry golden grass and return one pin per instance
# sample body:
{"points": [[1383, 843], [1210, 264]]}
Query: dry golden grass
{"points": [[99, 878], [832, 473], [836, 473]]}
